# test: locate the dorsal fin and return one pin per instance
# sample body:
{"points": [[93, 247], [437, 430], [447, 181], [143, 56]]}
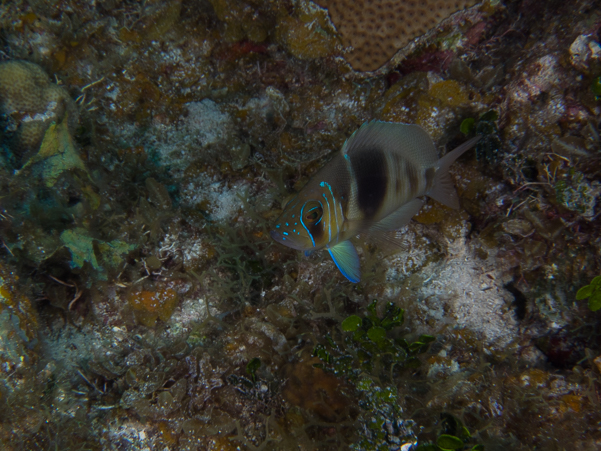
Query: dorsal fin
{"points": [[408, 140]]}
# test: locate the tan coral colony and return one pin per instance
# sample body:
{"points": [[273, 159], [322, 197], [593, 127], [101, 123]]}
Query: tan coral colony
{"points": [[374, 30]]}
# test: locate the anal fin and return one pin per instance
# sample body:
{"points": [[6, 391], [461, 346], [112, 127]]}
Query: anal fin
{"points": [[346, 259]]}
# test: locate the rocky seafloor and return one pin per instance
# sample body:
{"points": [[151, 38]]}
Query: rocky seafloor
{"points": [[147, 148]]}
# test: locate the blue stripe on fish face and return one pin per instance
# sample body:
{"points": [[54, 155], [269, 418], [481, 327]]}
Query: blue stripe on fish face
{"points": [[309, 213], [332, 212], [302, 217], [329, 218]]}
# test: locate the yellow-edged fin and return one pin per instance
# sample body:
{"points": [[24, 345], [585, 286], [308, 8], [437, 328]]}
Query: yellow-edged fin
{"points": [[346, 259]]}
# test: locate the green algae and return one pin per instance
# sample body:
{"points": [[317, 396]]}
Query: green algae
{"points": [[489, 148], [591, 291], [57, 154], [596, 86], [366, 354], [84, 248], [577, 193]]}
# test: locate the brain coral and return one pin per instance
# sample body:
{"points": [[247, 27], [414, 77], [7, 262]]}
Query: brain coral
{"points": [[29, 103], [376, 29]]}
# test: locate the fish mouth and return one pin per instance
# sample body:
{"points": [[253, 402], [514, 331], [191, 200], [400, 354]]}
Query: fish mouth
{"points": [[277, 236]]}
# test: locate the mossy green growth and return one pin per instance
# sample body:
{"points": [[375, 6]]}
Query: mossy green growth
{"points": [[82, 248], [575, 192], [372, 345], [454, 436], [596, 86], [368, 352], [252, 367], [451, 442], [593, 293], [351, 324], [467, 125], [242, 254], [488, 149]]}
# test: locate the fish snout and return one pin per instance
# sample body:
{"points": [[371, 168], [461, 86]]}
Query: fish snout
{"points": [[289, 240]]}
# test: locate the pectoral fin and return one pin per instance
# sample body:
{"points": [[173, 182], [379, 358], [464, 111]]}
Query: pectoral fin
{"points": [[345, 256], [399, 218], [384, 233]]}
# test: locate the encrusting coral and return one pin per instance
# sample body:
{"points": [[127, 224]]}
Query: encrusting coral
{"points": [[30, 103], [376, 29]]}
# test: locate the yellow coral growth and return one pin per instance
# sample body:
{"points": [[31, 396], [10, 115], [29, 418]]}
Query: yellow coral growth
{"points": [[32, 102], [376, 29], [18, 321], [433, 106], [57, 154], [149, 306], [432, 213], [241, 20], [304, 40]]}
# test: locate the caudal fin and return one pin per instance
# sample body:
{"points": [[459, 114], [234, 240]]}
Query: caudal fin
{"points": [[443, 189]]}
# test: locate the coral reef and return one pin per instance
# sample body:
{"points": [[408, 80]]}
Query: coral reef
{"points": [[143, 304], [375, 29], [29, 103]]}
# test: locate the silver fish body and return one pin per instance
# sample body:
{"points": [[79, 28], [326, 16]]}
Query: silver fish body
{"points": [[373, 185]]}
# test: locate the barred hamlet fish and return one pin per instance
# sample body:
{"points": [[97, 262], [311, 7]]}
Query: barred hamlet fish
{"points": [[373, 185]]}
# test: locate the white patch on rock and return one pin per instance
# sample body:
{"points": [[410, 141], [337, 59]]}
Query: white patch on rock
{"points": [[206, 122], [437, 370], [412, 256], [224, 201], [583, 50], [473, 291]]}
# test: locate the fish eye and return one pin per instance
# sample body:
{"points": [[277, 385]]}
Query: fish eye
{"points": [[313, 213]]}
